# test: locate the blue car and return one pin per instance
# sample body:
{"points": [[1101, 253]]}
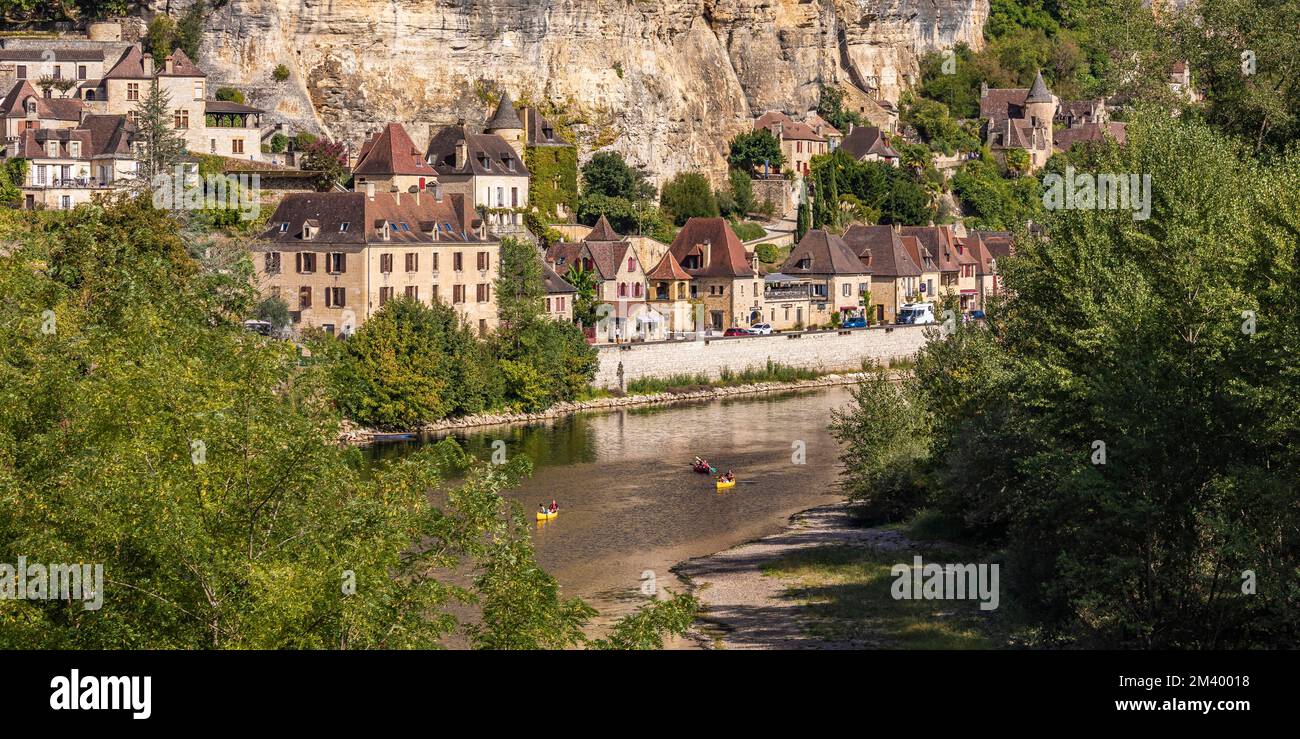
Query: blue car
{"points": [[859, 322]]}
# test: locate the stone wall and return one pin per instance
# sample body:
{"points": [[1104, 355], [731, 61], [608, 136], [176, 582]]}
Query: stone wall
{"points": [[824, 351], [779, 191]]}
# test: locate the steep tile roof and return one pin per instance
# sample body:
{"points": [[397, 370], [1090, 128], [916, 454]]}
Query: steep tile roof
{"points": [[789, 127], [1064, 139], [668, 269], [603, 232], [939, 241], [881, 249], [56, 109], [822, 253], [505, 115], [865, 140], [389, 152], [726, 253], [441, 153], [411, 219], [555, 285]]}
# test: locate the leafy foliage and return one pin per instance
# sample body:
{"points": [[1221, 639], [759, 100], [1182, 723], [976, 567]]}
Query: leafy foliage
{"points": [[752, 150], [688, 195], [1102, 337]]}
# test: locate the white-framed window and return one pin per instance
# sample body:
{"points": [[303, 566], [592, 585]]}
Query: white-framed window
{"points": [[52, 149]]}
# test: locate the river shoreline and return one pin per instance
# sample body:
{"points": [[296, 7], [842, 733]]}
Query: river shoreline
{"points": [[352, 434], [744, 607]]}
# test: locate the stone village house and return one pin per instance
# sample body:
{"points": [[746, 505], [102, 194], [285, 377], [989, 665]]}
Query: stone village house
{"points": [[337, 257]]}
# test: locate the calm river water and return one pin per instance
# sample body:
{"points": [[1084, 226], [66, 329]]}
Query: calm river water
{"points": [[629, 502]]}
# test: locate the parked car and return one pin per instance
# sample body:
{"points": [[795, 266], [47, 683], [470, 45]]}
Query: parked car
{"points": [[976, 315], [259, 327], [916, 313], [855, 322], [761, 329], [736, 331]]}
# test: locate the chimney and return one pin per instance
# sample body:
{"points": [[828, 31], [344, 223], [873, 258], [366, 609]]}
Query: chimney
{"points": [[984, 89], [397, 196], [850, 127], [169, 64], [460, 154], [370, 191], [146, 61], [417, 198], [708, 252]]}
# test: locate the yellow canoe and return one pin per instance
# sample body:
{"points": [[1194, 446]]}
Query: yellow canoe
{"points": [[547, 516], [724, 485]]}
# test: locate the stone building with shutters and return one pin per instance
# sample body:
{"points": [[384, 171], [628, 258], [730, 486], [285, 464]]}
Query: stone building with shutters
{"points": [[335, 258], [487, 167]]}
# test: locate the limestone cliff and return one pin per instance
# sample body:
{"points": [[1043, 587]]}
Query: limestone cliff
{"points": [[664, 82]]}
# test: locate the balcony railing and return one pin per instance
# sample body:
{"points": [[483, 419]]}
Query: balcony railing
{"points": [[786, 293], [74, 182]]}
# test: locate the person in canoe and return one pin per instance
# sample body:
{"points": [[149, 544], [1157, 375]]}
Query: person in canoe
{"points": [[555, 507], [702, 466], [541, 509], [729, 477]]}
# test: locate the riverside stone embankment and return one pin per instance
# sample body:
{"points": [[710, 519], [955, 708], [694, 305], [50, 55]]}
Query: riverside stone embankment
{"points": [[356, 435]]}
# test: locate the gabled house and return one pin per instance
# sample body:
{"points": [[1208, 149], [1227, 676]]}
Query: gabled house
{"points": [[66, 166], [941, 244], [869, 144], [25, 109], [670, 294], [1019, 118], [895, 277], [838, 282], [390, 161], [988, 247], [621, 279], [488, 167], [800, 142], [724, 276], [559, 295], [337, 257]]}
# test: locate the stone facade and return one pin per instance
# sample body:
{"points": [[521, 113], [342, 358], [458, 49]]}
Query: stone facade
{"points": [[826, 351]]}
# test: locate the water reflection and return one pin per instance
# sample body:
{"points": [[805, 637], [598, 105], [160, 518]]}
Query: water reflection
{"points": [[629, 500]]}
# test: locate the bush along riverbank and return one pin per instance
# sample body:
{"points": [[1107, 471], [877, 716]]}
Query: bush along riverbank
{"points": [[354, 434]]}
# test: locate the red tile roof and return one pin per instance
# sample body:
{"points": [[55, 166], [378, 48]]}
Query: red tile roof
{"points": [[56, 109], [391, 152], [726, 252], [668, 269]]}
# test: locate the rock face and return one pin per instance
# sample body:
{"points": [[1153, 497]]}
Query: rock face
{"points": [[664, 82]]}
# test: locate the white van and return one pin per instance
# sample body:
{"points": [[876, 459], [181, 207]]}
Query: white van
{"points": [[916, 313]]}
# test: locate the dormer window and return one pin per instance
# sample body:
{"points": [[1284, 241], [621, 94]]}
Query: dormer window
{"points": [[31, 105], [309, 231], [485, 162], [74, 148], [343, 227], [510, 163], [284, 227]]}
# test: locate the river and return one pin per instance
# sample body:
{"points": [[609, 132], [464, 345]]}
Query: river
{"points": [[630, 505]]}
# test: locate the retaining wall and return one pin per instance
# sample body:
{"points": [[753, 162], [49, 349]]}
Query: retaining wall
{"points": [[823, 351]]}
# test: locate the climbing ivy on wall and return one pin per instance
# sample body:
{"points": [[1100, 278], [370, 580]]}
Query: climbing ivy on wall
{"points": [[554, 178]]}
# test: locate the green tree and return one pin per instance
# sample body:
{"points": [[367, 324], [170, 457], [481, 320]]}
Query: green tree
{"points": [[830, 106], [161, 148], [274, 311], [410, 364], [1150, 404], [742, 191], [230, 95], [281, 73], [189, 30], [329, 159], [161, 34], [605, 173], [752, 151], [688, 195]]}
